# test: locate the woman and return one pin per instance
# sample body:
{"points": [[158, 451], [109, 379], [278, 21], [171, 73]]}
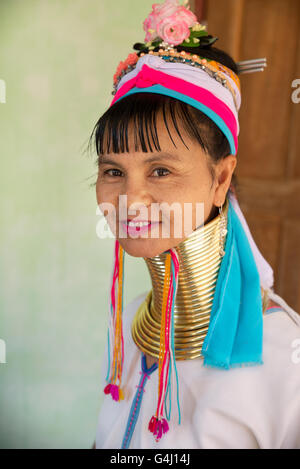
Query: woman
{"points": [[205, 359]]}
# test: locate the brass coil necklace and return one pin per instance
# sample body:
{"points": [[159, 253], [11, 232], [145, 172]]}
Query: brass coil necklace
{"points": [[199, 264]]}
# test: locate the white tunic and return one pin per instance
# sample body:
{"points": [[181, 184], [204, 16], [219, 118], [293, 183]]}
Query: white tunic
{"points": [[248, 407]]}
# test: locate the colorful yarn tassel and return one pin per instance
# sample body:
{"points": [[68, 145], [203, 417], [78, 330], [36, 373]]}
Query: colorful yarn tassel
{"points": [[158, 425], [115, 330]]}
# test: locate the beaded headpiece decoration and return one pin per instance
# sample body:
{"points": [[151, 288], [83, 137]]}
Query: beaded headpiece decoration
{"points": [[161, 66]]}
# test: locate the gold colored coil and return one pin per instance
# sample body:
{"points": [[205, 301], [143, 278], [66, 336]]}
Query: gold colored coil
{"points": [[199, 264]]}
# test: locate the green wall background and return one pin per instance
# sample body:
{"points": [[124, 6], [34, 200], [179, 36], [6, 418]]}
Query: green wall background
{"points": [[57, 58]]}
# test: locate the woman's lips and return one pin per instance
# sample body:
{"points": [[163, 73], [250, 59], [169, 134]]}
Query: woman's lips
{"points": [[138, 229]]}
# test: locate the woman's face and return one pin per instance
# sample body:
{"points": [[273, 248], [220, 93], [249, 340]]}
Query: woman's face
{"points": [[157, 186]]}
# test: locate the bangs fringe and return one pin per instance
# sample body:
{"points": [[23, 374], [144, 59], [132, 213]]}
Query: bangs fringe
{"points": [[139, 113]]}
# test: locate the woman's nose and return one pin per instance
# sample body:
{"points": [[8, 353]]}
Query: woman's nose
{"points": [[137, 196]]}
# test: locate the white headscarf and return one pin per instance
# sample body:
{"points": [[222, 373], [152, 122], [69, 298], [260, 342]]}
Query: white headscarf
{"points": [[265, 270]]}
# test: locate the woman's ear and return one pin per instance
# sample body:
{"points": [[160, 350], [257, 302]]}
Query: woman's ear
{"points": [[224, 171]]}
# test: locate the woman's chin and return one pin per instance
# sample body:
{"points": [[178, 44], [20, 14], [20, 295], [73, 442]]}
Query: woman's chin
{"points": [[140, 247]]}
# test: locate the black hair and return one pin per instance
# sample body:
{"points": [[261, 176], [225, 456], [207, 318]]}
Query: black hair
{"points": [[110, 133]]}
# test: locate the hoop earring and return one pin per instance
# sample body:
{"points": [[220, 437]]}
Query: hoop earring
{"points": [[223, 230]]}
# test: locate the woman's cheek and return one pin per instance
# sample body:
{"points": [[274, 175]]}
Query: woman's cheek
{"points": [[108, 194]]}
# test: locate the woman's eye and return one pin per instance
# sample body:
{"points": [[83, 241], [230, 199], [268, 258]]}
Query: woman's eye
{"points": [[161, 171], [114, 170]]}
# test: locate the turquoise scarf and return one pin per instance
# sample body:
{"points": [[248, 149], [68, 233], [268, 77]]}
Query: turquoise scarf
{"points": [[235, 333]]}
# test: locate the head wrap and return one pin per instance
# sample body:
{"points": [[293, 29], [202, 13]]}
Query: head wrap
{"points": [[234, 336], [189, 84]]}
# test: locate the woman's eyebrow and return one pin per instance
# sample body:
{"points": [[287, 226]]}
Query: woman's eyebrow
{"points": [[156, 157], [163, 156]]}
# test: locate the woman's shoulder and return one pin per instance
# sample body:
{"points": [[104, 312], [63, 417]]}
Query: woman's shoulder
{"points": [[279, 311], [281, 333], [281, 339]]}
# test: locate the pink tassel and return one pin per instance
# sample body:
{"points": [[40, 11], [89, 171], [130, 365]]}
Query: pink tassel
{"points": [[158, 427], [165, 426], [158, 430], [114, 391]]}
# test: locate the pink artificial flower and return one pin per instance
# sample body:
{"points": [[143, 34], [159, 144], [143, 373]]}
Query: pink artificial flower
{"points": [[119, 70], [165, 13], [120, 67], [186, 15], [165, 9], [159, 12], [150, 27], [173, 31], [131, 59], [116, 77]]}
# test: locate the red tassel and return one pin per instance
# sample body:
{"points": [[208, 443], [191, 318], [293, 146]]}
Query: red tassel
{"points": [[152, 423], [107, 389], [158, 427]]}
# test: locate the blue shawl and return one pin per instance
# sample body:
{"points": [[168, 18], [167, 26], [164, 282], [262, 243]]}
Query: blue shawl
{"points": [[235, 333]]}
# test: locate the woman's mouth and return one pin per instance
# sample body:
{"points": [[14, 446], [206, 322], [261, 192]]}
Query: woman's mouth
{"points": [[136, 227]]}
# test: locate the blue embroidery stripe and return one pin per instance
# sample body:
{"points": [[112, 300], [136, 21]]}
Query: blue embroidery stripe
{"points": [[137, 401]]}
